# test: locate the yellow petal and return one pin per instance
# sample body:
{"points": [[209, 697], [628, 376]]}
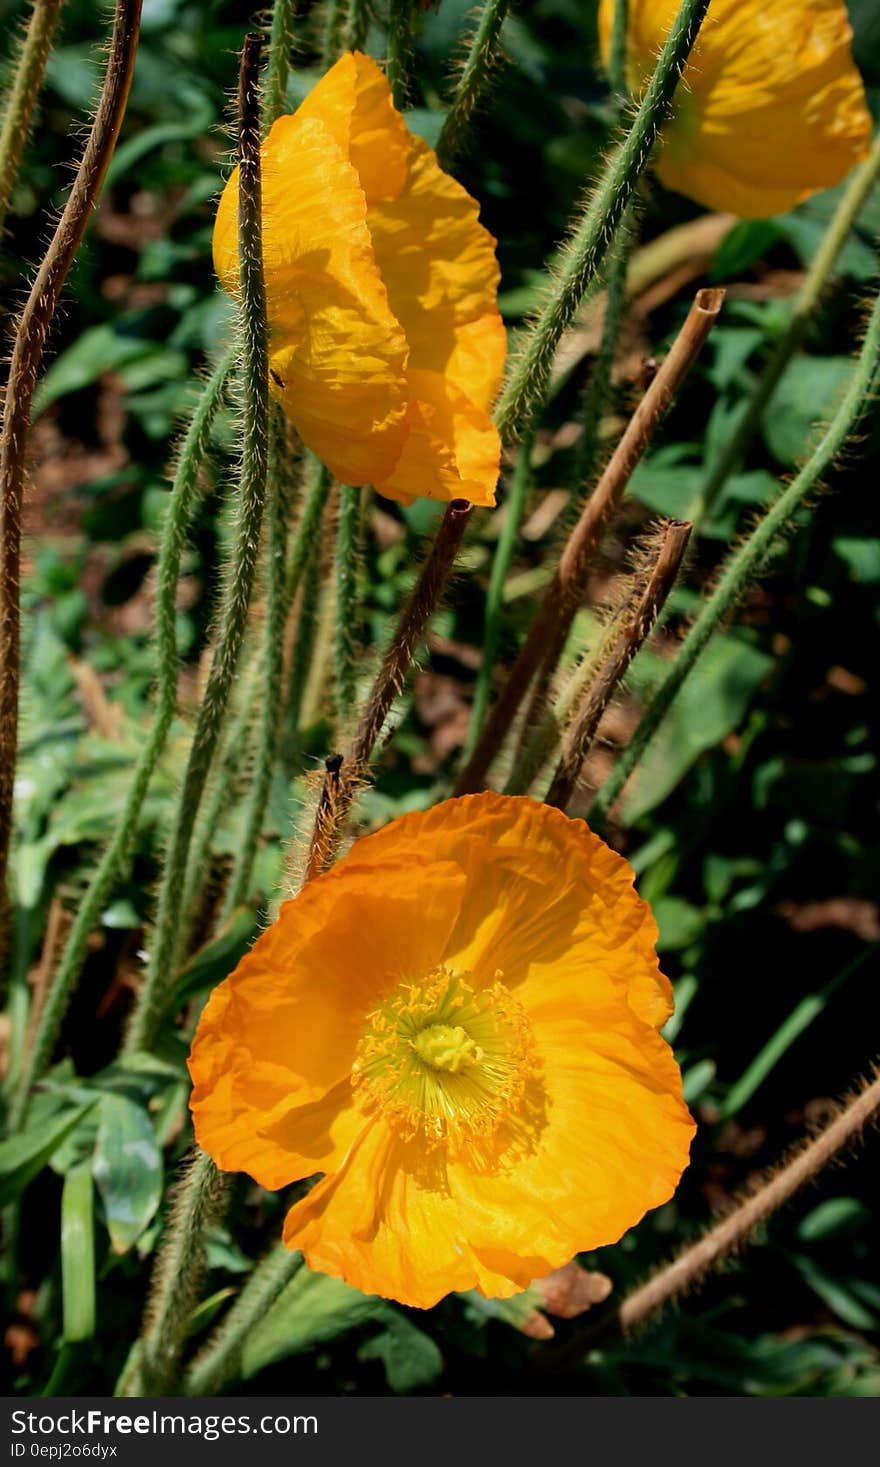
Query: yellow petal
{"points": [[337, 353], [272, 1056], [771, 108], [387, 1224], [438, 263], [451, 450], [354, 102]]}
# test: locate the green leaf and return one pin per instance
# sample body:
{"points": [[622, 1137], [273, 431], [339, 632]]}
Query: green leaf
{"points": [[837, 1293], [680, 923], [22, 1157], [410, 1357], [312, 1310], [127, 1168], [834, 1218], [805, 399], [862, 557], [746, 243], [99, 349], [711, 704], [217, 958], [78, 1253]]}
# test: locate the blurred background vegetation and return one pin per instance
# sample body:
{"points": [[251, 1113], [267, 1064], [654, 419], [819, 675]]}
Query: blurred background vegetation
{"points": [[752, 827]]}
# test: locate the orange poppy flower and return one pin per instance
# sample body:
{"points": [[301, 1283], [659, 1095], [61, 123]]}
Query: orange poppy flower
{"points": [[458, 1026], [386, 345], [771, 107]]}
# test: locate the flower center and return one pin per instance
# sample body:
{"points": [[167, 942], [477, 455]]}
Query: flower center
{"points": [[444, 1060], [447, 1047]]}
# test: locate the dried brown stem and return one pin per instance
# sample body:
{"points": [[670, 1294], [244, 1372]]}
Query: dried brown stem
{"points": [[686, 1271], [563, 596], [27, 352], [636, 627], [341, 782]]}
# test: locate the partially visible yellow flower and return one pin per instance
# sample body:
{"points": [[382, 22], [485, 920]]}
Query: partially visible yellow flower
{"points": [[771, 107], [458, 1025], [386, 343]]}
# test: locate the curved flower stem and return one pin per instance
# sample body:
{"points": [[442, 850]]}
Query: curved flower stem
{"points": [[27, 78], [398, 63], [343, 776], [808, 297], [178, 518], [180, 1268], [805, 1166], [527, 380], [271, 665], [27, 353], [347, 536], [476, 75], [636, 625], [513, 512], [219, 1360], [281, 33], [149, 1008], [746, 562], [686, 1271], [556, 613]]}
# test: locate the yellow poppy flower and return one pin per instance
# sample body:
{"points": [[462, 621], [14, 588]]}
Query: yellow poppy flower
{"points": [[771, 107], [386, 345], [458, 1026]]}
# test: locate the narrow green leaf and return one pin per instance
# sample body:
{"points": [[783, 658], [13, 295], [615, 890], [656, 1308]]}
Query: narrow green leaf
{"points": [[127, 1167], [23, 1156], [78, 1253], [312, 1310]]}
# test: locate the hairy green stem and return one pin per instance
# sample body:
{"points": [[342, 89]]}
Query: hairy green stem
{"points": [[345, 641], [178, 519], [746, 562], [334, 31], [232, 766], [27, 78], [501, 560], [357, 24], [281, 34], [476, 75], [271, 667], [180, 1269], [598, 391], [526, 384], [399, 43], [808, 297], [219, 1361], [165, 950]]}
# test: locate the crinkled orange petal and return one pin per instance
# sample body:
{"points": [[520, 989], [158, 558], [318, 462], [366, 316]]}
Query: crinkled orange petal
{"points": [[354, 101], [387, 1223], [616, 1141], [452, 449], [387, 347], [545, 901], [771, 109], [337, 352], [271, 1059], [404, 1223]]}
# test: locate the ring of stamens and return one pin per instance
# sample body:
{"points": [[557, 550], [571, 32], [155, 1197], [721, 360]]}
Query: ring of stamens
{"points": [[445, 1060]]}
